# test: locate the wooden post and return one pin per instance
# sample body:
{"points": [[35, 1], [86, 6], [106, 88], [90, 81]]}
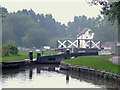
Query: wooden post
{"points": [[31, 55], [78, 43], [38, 56], [67, 54], [90, 44], [66, 43], [30, 74], [57, 44], [100, 45], [87, 49], [38, 70], [67, 78]]}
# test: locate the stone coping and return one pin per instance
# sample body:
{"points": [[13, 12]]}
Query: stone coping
{"points": [[68, 66]]}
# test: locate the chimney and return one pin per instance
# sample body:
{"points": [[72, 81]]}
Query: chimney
{"points": [[79, 31]]}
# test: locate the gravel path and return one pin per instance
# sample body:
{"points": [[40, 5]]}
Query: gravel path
{"points": [[115, 60]]}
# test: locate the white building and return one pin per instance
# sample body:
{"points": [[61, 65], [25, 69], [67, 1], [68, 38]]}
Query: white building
{"points": [[84, 40], [85, 35]]}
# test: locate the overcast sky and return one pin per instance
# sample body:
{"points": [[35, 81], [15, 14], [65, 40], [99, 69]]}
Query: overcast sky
{"points": [[62, 10]]}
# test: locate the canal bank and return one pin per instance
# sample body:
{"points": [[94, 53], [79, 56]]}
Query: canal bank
{"points": [[56, 59], [50, 59], [50, 76], [96, 65]]}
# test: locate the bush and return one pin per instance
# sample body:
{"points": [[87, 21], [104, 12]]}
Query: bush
{"points": [[9, 49], [105, 75]]}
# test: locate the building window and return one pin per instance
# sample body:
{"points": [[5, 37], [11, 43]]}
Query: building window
{"points": [[90, 32]]}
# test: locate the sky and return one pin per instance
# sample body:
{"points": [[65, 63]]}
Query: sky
{"points": [[62, 10]]}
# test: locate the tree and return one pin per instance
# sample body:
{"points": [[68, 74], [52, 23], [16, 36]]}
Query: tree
{"points": [[15, 27], [4, 10], [36, 38], [81, 21], [18, 27], [103, 29], [112, 10]]}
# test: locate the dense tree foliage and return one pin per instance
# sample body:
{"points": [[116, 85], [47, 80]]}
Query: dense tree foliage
{"points": [[104, 30], [15, 26], [81, 21], [112, 10], [36, 38], [28, 29], [47, 22], [25, 28]]}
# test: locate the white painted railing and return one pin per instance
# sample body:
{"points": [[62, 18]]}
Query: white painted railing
{"points": [[79, 43]]}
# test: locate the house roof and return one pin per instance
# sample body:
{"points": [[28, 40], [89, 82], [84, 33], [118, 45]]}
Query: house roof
{"points": [[84, 30]]}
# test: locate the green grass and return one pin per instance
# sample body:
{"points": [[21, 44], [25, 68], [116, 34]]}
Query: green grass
{"points": [[24, 55], [97, 62]]}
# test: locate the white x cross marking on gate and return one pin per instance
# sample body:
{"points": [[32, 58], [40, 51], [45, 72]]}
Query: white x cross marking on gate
{"points": [[73, 43], [96, 44], [62, 44]]}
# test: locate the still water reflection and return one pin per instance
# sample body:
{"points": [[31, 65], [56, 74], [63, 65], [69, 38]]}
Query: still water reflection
{"points": [[49, 76]]}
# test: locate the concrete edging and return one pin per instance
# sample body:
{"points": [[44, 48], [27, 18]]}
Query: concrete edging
{"points": [[89, 70]]}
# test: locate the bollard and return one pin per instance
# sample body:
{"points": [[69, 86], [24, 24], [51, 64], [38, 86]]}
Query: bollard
{"points": [[43, 52], [38, 56], [38, 70], [67, 54], [31, 55], [67, 78], [30, 74]]}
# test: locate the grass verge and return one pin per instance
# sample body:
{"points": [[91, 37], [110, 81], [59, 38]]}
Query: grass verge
{"points": [[24, 55], [98, 62]]}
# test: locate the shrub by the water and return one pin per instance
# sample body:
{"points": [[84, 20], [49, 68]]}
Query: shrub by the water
{"points": [[9, 49]]}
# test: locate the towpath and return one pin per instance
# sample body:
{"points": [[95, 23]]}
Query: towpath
{"points": [[115, 60]]}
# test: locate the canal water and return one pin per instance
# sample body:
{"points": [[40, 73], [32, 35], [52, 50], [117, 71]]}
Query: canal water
{"points": [[50, 76]]}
